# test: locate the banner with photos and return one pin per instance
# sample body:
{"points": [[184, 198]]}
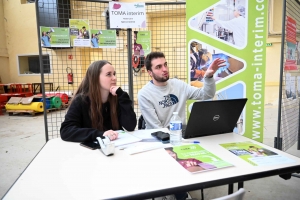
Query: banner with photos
{"points": [[103, 38], [54, 37], [234, 31]]}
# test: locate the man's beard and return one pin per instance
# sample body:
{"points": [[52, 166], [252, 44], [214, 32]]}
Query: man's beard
{"points": [[160, 79]]}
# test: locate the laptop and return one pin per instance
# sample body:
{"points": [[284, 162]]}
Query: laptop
{"points": [[213, 117]]}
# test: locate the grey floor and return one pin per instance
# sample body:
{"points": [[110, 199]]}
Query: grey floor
{"points": [[21, 138]]}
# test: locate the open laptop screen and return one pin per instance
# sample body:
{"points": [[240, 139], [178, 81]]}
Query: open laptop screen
{"points": [[213, 117]]}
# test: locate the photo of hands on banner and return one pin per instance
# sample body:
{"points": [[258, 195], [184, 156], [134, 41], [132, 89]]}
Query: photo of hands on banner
{"points": [[201, 56], [227, 21]]}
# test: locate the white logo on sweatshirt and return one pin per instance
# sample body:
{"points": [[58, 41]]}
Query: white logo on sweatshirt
{"points": [[169, 100]]}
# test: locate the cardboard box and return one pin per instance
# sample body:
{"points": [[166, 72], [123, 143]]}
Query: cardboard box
{"points": [[14, 100], [26, 100]]}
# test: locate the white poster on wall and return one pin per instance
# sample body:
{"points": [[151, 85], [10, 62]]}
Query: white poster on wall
{"points": [[290, 86], [127, 15]]}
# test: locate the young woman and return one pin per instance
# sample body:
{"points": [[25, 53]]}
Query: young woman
{"points": [[99, 107]]}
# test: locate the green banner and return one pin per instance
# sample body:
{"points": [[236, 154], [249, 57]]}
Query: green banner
{"points": [[228, 30], [103, 38], [54, 37]]}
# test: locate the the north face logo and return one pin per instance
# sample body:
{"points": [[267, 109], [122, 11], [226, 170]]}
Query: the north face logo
{"points": [[169, 100]]}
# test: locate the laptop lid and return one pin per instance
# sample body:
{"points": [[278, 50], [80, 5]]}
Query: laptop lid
{"points": [[213, 117]]}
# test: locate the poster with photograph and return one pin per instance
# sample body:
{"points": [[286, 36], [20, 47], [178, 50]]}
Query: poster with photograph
{"points": [[290, 63], [141, 43], [255, 155], [195, 158], [225, 30], [141, 48], [80, 33], [103, 38], [290, 86], [54, 37]]}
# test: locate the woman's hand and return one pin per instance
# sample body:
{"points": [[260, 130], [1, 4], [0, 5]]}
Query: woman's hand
{"points": [[113, 135], [113, 90]]}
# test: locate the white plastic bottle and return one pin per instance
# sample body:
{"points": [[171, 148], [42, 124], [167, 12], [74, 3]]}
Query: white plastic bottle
{"points": [[175, 129]]}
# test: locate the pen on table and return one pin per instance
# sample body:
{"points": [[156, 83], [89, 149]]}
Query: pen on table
{"points": [[191, 141], [126, 146]]}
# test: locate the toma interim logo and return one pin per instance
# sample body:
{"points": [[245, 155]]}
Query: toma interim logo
{"points": [[138, 6], [116, 6]]}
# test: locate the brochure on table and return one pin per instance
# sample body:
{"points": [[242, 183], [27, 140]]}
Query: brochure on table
{"points": [[194, 158], [255, 154]]}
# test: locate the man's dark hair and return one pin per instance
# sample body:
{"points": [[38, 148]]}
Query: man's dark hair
{"points": [[152, 56], [83, 27]]}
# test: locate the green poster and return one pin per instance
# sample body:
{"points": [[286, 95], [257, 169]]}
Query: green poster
{"points": [[80, 33], [103, 38], [141, 42], [227, 30], [54, 37], [255, 154]]}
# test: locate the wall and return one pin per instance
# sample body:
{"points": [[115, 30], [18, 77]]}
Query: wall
{"points": [[273, 52], [23, 62], [21, 36], [272, 70], [4, 61]]}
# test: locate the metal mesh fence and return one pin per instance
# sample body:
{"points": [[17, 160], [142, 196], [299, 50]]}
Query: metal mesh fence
{"points": [[166, 21], [289, 124]]}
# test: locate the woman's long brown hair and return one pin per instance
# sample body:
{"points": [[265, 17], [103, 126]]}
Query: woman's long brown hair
{"points": [[90, 86]]}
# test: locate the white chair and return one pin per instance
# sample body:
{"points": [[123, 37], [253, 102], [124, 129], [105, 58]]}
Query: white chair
{"points": [[238, 195]]}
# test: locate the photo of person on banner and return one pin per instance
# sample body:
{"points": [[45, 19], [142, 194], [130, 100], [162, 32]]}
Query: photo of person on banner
{"points": [[227, 21], [95, 41], [46, 36], [95, 38], [260, 151], [46, 39], [85, 33], [201, 57]]}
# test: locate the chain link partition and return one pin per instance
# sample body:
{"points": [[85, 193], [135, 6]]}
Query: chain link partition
{"points": [[166, 21], [288, 122]]}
